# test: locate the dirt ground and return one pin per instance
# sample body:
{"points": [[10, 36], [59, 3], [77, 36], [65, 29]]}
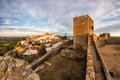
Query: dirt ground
{"points": [[63, 68], [111, 56]]}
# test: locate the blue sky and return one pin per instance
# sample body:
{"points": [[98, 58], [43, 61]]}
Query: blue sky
{"points": [[27, 17]]}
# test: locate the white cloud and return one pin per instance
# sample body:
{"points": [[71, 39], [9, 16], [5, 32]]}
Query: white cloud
{"points": [[7, 21], [17, 31], [17, 34], [58, 14]]}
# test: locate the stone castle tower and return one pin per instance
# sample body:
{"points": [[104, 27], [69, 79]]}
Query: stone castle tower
{"points": [[82, 26]]}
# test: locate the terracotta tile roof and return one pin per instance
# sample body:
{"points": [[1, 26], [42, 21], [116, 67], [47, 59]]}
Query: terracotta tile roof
{"points": [[19, 49]]}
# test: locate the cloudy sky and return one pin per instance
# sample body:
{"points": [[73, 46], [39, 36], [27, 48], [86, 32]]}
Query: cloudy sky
{"points": [[25, 17]]}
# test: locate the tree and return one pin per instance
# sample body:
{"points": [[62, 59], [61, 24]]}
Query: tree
{"points": [[65, 36]]}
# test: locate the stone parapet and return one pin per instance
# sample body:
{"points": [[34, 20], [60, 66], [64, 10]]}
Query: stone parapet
{"points": [[105, 69], [90, 73]]}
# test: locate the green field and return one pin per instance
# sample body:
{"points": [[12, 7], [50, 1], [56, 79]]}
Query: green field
{"points": [[7, 43], [4, 47]]}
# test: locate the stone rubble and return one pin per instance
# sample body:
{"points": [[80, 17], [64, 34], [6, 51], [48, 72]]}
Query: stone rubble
{"points": [[15, 69], [71, 54]]}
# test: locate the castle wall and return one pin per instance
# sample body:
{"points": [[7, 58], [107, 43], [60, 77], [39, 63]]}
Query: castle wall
{"points": [[82, 26]]}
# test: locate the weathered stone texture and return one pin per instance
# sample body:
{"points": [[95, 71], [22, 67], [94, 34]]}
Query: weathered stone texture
{"points": [[80, 42], [95, 38], [82, 26], [15, 69]]}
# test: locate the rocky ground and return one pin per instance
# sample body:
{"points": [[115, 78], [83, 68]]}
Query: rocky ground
{"points": [[66, 65], [15, 69]]}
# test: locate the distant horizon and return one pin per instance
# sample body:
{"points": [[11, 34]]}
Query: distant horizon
{"points": [[56, 34]]}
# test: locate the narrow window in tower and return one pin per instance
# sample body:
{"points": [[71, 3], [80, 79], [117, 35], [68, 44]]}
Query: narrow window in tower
{"points": [[92, 27]]}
